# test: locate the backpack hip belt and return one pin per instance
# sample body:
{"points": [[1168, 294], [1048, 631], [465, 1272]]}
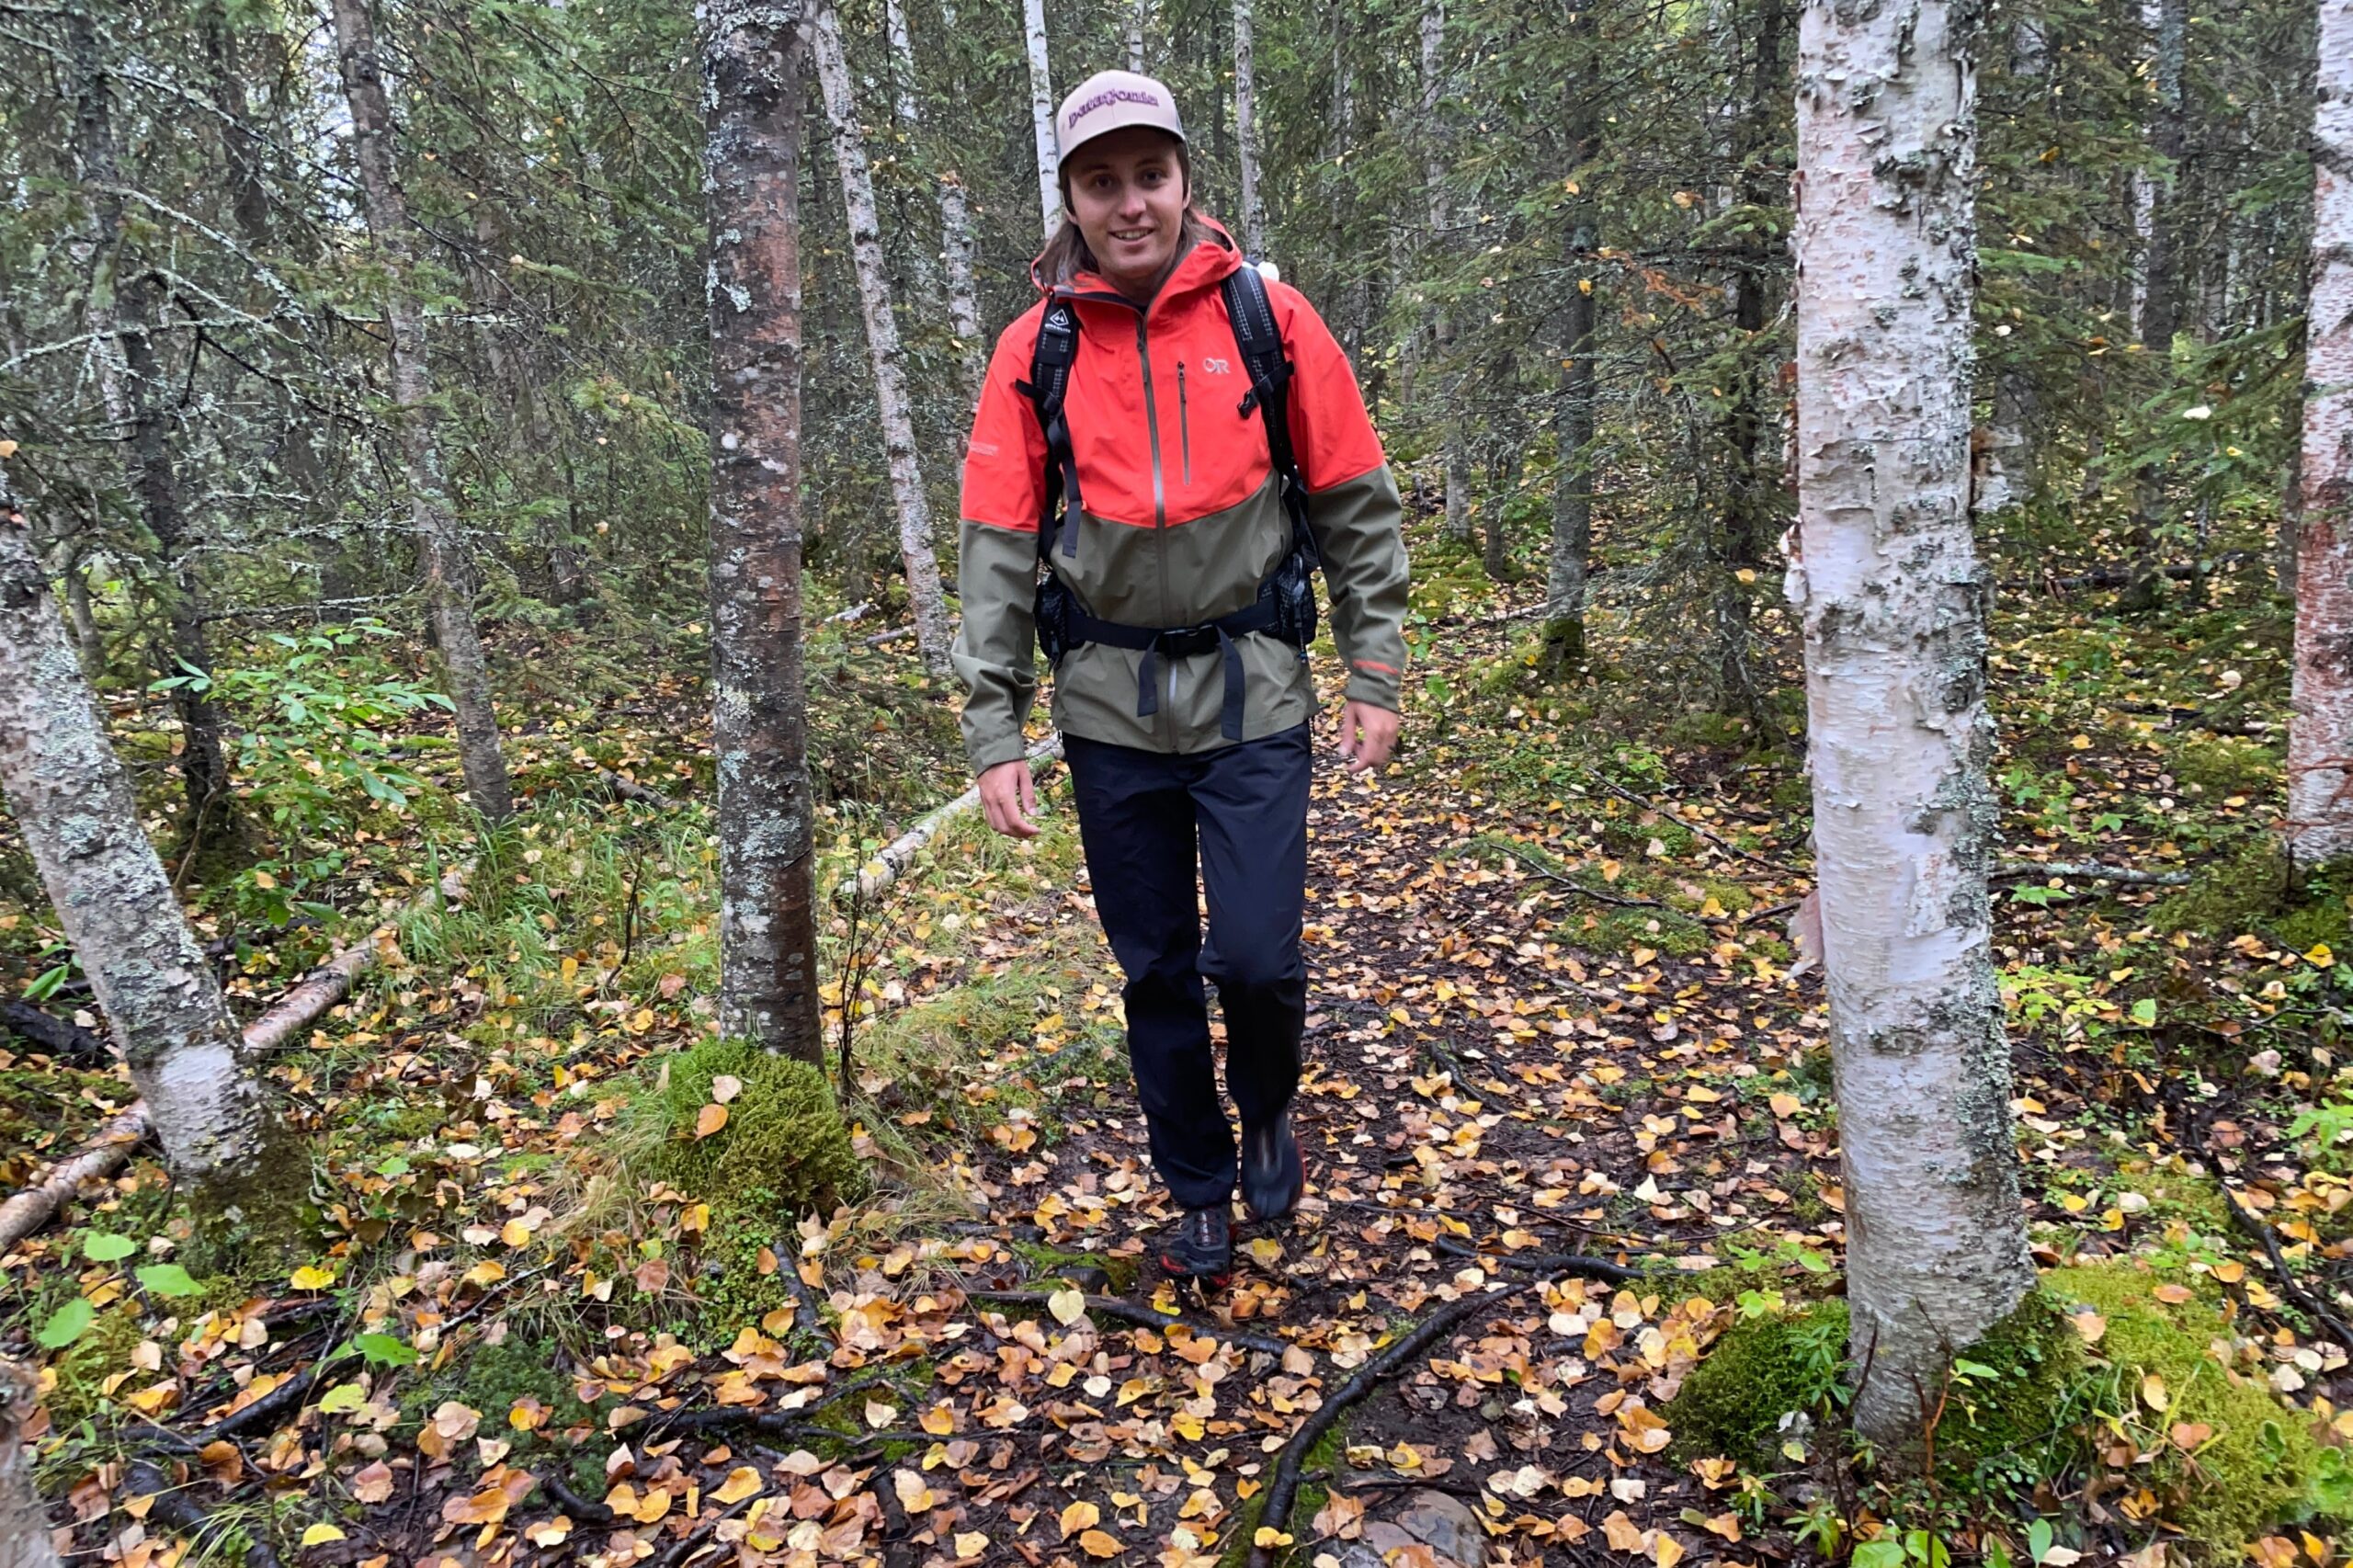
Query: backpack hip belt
{"points": [[1285, 605]]}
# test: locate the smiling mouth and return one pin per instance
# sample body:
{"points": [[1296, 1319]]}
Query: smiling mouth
{"points": [[1131, 236]]}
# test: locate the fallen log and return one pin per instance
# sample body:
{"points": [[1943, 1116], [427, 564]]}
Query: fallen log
{"points": [[2089, 871], [886, 868], [176, 1510], [631, 789], [34, 1207], [60, 1038]]}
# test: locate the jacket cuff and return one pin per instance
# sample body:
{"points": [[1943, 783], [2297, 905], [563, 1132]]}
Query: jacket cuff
{"points": [[995, 750], [1379, 688]]}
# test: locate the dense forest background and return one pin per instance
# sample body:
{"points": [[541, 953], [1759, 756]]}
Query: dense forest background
{"points": [[362, 421]]}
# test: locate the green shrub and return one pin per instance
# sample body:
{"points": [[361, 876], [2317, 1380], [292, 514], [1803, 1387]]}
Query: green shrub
{"points": [[783, 1134]]}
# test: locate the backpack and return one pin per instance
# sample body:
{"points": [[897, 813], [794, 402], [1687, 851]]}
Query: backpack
{"points": [[1285, 605]]}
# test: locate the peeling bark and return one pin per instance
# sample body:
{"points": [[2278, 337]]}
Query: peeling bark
{"points": [[74, 805], [1893, 600], [2320, 729], [2158, 295], [924, 595], [449, 576], [1139, 18], [957, 248], [755, 53]]}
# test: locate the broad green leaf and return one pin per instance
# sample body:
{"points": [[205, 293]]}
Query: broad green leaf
{"points": [[386, 1351], [167, 1280], [99, 1247], [67, 1325]]}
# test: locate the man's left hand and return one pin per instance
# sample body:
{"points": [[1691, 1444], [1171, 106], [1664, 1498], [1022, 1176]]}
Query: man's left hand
{"points": [[1367, 734]]}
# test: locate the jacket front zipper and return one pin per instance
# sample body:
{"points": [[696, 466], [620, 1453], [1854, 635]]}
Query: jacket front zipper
{"points": [[1184, 432]]}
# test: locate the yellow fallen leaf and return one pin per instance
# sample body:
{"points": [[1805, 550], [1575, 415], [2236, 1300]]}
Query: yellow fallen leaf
{"points": [[915, 1495], [310, 1277], [2090, 1325], [970, 1543], [940, 1419], [1270, 1539], [2153, 1392], [1786, 1105], [2230, 1273], [742, 1482], [1068, 1306], [724, 1088], [1095, 1544], [2172, 1294], [1080, 1515], [515, 1233], [709, 1119], [320, 1534]]}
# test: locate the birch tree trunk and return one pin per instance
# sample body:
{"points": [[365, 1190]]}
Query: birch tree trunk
{"points": [[1893, 600], [1573, 418], [24, 1538], [1139, 18], [955, 219], [1457, 449], [1041, 114], [753, 55], [908, 111], [1245, 133], [441, 557], [2320, 729], [2160, 295], [73, 807], [123, 307], [924, 592]]}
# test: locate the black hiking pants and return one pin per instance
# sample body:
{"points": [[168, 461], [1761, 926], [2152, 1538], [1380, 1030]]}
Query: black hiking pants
{"points": [[1240, 814]]}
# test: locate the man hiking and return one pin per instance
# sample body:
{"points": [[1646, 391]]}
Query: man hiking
{"points": [[1179, 443]]}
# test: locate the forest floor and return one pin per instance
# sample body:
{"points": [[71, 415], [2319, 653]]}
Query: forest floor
{"points": [[1556, 1019]]}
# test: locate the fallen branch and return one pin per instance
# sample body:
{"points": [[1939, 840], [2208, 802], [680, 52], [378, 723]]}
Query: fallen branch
{"points": [[2260, 1230], [1576, 1263], [2122, 576], [2089, 871], [1143, 1316], [631, 789], [60, 1038], [34, 1207], [887, 866], [172, 1507], [1719, 840], [1284, 1488]]}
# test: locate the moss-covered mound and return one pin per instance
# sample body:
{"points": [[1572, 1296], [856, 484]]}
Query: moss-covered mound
{"points": [[2228, 1461], [2014, 1412], [783, 1136], [1767, 1365]]}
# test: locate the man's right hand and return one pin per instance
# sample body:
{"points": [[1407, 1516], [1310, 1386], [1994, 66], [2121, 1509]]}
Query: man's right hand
{"points": [[1008, 797]]}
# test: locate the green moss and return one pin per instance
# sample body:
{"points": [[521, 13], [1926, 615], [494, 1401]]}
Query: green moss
{"points": [[84, 1366], [1627, 836], [1624, 930], [2261, 1466], [2015, 1407], [731, 1293], [784, 1136], [1762, 1368], [1046, 1262], [2232, 895], [2221, 765]]}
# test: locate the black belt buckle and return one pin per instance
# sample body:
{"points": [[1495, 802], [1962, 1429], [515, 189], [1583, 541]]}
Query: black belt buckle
{"points": [[1186, 642]]}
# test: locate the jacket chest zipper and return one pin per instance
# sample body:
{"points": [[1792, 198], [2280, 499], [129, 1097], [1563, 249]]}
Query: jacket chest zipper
{"points": [[1159, 502], [1184, 433]]}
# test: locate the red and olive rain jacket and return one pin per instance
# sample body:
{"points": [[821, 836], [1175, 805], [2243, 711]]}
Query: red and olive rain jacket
{"points": [[1182, 517]]}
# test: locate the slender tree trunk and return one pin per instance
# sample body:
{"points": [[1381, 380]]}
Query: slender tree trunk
{"points": [[1893, 599], [73, 807], [2320, 729], [1573, 418], [924, 592], [2161, 289], [908, 111], [123, 304], [1041, 113], [1355, 297], [753, 56], [1139, 18], [1457, 449], [1245, 131], [955, 223], [89, 647], [24, 1538], [449, 576]]}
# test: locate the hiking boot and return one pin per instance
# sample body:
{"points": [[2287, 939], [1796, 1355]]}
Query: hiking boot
{"points": [[1273, 1172], [1202, 1248]]}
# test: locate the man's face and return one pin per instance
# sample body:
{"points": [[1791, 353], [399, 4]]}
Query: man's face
{"points": [[1127, 195]]}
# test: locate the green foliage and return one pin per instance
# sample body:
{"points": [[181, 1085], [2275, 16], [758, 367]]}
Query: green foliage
{"points": [[784, 1136]]}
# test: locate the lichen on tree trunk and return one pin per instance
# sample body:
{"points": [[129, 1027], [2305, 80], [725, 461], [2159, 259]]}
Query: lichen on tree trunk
{"points": [[74, 806], [2320, 730], [755, 56], [1893, 599]]}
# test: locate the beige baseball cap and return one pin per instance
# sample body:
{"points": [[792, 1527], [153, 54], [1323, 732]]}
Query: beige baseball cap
{"points": [[1112, 100]]}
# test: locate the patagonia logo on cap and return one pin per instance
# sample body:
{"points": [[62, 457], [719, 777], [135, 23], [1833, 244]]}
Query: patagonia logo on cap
{"points": [[1109, 95]]}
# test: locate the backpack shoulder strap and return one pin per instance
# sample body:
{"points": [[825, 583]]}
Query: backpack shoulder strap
{"points": [[1051, 358], [1260, 342]]}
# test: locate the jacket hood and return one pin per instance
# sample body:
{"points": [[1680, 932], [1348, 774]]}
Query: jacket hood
{"points": [[1210, 261]]}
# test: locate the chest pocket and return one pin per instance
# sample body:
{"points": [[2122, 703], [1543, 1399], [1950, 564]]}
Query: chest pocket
{"points": [[1157, 427]]}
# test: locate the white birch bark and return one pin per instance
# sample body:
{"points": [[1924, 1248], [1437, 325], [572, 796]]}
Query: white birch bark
{"points": [[908, 112], [24, 1538], [1893, 600], [1041, 114], [73, 807], [1246, 132], [449, 576], [2320, 729], [955, 220], [1139, 18], [924, 593]]}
